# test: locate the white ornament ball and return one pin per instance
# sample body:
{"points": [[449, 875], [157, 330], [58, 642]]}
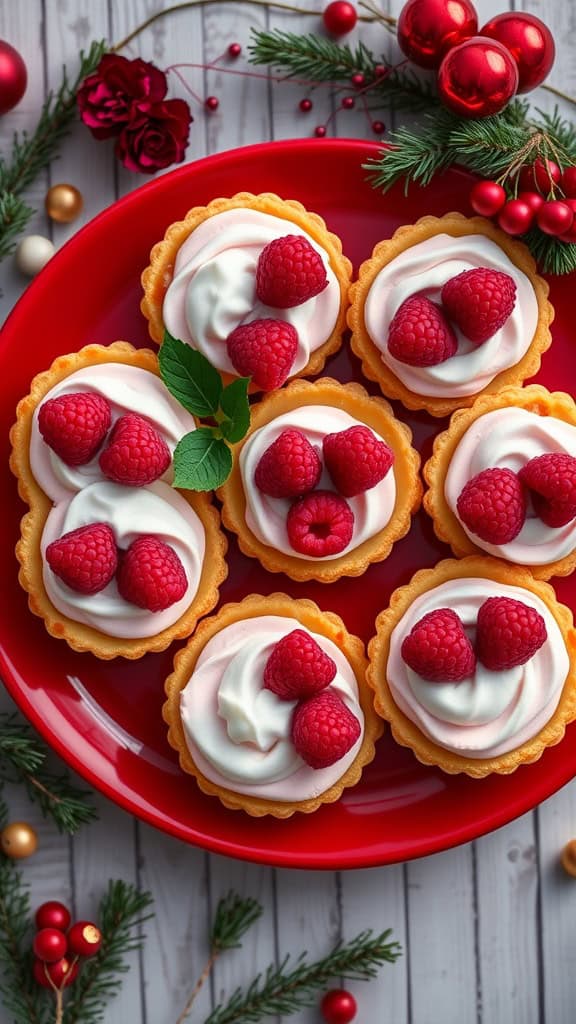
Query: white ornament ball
{"points": [[33, 253]]}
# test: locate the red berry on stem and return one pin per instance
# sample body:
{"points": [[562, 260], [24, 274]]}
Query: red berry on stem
{"points": [[234, 50], [487, 197], [426, 30], [533, 199], [320, 131], [49, 945], [555, 217], [57, 975], [339, 18], [348, 102], [568, 182], [477, 78], [211, 103], [378, 127], [570, 235], [305, 105], [53, 915], [380, 71], [84, 939], [338, 1006], [358, 79], [530, 42], [515, 217], [541, 175]]}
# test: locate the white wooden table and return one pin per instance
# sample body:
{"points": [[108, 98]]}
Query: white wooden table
{"points": [[488, 929]]}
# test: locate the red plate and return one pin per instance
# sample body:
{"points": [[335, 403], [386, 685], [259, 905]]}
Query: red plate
{"points": [[105, 719]]}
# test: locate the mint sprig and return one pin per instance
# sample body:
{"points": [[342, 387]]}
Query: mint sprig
{"points": [[203, 459]]}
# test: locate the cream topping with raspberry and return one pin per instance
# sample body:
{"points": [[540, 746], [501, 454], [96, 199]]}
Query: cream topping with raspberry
{"points": [[424, 269], [131, 512], [266, 516], [508, 439], [238, 733], [214, 287], [489, 713], [127, 389]]}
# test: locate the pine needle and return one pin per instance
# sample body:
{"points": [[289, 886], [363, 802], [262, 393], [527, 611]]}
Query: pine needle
{"points": [[21, 997]]}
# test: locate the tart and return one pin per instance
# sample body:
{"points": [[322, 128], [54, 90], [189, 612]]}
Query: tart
{"points": [[372, 520], [492, 715], [235, 734], [417, 263]]}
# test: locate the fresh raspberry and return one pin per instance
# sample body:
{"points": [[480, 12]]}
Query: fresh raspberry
{"points": [[263, 350], [419, 333], [320, 523], [289, 272], [136, 454], [298, 667], [493, 505], [324, 729], [85, 559], [479, 302], [552, 481], [289, 467], [438, 649], [356, 460], [75, 425], [151, 575], [508, 633]]}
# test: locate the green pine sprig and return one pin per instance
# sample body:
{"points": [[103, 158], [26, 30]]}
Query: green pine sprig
{"points": [[21, 997], [14, 216]]}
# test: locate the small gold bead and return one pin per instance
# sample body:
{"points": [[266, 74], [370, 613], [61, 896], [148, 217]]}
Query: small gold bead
{"points": [[568, 858], [63, 203], [18, 840]]}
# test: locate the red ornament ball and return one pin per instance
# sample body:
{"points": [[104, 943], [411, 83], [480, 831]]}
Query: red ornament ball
{"points": [[555, 217], [320, 131], [540, 176], [378, 127], [305, 105], [53, 915], [234, 50], [358, 79], [212, 103], [515, 217], [428, 28], [487, 198], [477, 78], [529, 41], [339, 18], [49, 945], [568, 182], [534, 200], [338, 1006], [380, 71], [570, 236], [13, 77], [59, 974], [84, 939], [348, 102]]}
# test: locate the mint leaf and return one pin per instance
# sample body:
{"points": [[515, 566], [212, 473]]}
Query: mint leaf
{"points": [[201, 461], [234, 403], [189, 377]]}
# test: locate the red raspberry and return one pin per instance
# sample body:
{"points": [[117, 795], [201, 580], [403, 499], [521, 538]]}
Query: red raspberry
{"points": [[438, 649], [290, 271], [298, 667], [85, 559], [552, 481], [356, 460], [136, 454], [74, 426], [479, 302], [320, 523], [151, 575], [493, 505], [324, 729], [289, 467], [263, 350], [508, 633], [419, 333]]}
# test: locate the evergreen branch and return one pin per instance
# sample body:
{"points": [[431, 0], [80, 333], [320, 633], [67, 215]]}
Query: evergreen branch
{"points": [[415, 157], [21, 997], [234, 916], [551, 255], [292, 985], [14, 216], [122, 913]]}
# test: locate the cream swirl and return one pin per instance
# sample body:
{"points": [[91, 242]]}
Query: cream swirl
{"points": [[508, 439], [127, 389], [490, 713], [424, 269], [131, 512], [214, 287], [266, 516], [239, 733]]}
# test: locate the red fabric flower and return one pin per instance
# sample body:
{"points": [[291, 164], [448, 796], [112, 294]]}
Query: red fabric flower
{"points": [[106, 98], [155, 137]]}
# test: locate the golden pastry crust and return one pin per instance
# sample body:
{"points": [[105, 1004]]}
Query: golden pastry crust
{"points": [[309, 615], [157, 277], [79, 636], [447, 527], [376, 413], [454, 224], [405, 732]]}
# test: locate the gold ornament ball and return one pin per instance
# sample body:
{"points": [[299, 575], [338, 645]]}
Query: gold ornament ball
{"points": [[63, 203], [568, 858], [18, 840]]}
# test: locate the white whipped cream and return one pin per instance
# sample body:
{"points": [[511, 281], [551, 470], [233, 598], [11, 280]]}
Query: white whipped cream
{"points": [[508, 439], [424, 269], [214, 287], [127, 389], [131, 512], [491, 712], [239, 733], [266, 516]]}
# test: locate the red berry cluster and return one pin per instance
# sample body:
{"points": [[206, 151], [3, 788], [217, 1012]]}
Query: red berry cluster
{"points": [[543, 195], [58, 947]]}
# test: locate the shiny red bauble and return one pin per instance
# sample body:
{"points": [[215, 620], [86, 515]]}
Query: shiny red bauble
{"points": [[529, 41], [234, 50], [84, 939], [570, 236], [320, 131], [49, 945], [211, 103], [13, 77], [348, 103], [555, 217], [477, 78], [515, 217], [338, 1006], [487, 197], [59, 975], [428, 28], [53, 915], [568, 182], [305, 105], [540, 175], [339, 18], [533, 199], [378, 127]]}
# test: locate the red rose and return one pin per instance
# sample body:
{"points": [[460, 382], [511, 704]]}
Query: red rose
{"points": [[105, 99], [156, 136]]}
